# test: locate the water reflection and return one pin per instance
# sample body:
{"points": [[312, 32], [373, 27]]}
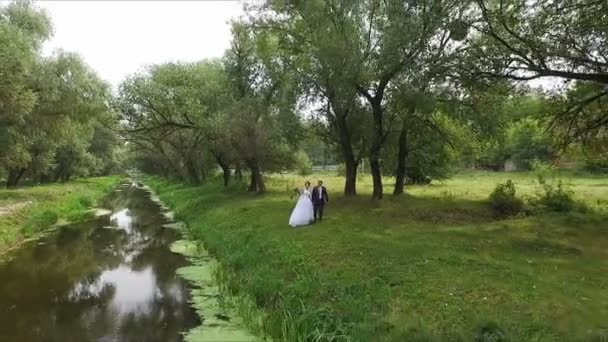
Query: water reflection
{"points": [[112, 279], [122, 219]]}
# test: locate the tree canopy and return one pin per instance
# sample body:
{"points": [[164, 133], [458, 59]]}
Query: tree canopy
{"points": [[414, 89], [55, 119]]}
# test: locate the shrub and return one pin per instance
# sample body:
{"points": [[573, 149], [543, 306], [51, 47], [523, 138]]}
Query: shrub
{"points": [[543, 170], [46, 218], [416, 175], [303, 163], [527, 141], [504, 201], [522, 142], [41, 221], [597, 164], [552, 196], [85, 201], [555, 198]]}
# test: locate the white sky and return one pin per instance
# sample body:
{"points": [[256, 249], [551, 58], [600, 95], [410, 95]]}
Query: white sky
{"points": [[118, 38]]}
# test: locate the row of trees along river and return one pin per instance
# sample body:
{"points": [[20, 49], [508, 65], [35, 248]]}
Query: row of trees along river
{"points": [[414, 88]]}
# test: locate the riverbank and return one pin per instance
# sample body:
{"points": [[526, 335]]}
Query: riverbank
{"points": [[215, 308], [433, 265], [30, 211]]}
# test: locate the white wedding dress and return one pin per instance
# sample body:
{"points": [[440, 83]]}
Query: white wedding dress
{"points": [[303, 213]]}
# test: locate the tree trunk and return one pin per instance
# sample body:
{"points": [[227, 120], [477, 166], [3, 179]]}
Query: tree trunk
{"points": [[45, 178], [225, 169], [253, 183], [260, 182], [257, 180], [376, 146], [193, 174], [11, 180], [401, 161], [14, 175], [58, 175], [238, 173], [350, 185], [374, 165], [202, 174], [66, 177]]}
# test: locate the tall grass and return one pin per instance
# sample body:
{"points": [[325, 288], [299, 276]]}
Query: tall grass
{"points": [[424, 267], [46, 205]]}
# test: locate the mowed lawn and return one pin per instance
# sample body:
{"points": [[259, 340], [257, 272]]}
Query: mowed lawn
{"points": [[434, 265]]}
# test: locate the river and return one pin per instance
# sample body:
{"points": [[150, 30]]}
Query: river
{"points": [[110, 279]]}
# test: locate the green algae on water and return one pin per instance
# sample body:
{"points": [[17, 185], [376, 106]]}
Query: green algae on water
{"points": [[175, 225], [218, 333], [220, 322], [188, 248]]}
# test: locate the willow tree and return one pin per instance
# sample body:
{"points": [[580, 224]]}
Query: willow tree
{"points": [[311, 33], [353, 53], [166, 112], [23, 29], [70, 101], [554, 40], [398, 39], [261, 120]]}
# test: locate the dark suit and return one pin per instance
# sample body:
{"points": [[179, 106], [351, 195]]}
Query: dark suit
{"points": [[319, 200]]}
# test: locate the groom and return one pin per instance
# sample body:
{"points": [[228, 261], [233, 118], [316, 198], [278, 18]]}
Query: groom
{"points": [[319, 198]]}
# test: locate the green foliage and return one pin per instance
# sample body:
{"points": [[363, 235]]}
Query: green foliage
{"points": [[522, 142], [85, 201], [528, 40], [527, 141], [32, 22], [543, 170], [186, 118], [303, 164], [430, 152], [557, 197], [44, 219], [596, 164], [22, 30], [51, 108], [39, 207], [504, 200], [553, 194]]}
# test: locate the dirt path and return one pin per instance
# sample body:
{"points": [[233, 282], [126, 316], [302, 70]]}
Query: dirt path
{"points": [[7, 209]]}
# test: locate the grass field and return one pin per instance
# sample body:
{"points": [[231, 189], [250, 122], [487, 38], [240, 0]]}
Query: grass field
{"points": [[28, 211], [434, 265]]}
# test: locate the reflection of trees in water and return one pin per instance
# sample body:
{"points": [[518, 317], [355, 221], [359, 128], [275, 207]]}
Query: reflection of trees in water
{"points": [[136, 200], [55, 292], [35, 284]]}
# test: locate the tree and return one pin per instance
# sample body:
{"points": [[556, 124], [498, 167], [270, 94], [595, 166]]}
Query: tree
{"points": [[22, 31], [352, 52], [532, 39], [527, 40], [166, 113], [261, 120], [399, 38], [311, 35], [69, 99]]}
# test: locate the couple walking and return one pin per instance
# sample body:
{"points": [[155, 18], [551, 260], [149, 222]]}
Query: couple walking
{"points": [[310, 205]]}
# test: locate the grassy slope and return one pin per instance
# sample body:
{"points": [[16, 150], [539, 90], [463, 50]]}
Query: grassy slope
{"points": [[433, 265], [48, 204]]}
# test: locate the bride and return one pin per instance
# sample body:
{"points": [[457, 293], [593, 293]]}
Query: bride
{"points": [[303, 212]]}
